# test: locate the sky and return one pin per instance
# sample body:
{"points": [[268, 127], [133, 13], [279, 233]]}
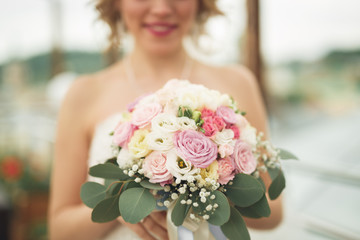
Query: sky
{"points": [[296, 29]]}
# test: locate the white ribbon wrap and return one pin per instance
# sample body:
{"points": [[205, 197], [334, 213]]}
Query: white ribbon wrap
{"points": [[200, 230]]}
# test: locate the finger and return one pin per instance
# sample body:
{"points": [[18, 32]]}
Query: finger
{"points": [[160, 218], [139, 229], [152, 226]]}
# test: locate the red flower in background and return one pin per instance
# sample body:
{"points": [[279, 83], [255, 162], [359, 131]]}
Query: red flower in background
{"points": [[11, 168]]}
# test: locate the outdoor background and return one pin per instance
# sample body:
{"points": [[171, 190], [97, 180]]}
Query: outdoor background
{"points": [[311, 52]]}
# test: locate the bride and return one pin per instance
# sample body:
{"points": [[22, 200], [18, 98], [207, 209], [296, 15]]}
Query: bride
{"points": [[158, 28]]}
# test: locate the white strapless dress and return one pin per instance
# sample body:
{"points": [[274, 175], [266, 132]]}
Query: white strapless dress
{"points": [[99, 152]]}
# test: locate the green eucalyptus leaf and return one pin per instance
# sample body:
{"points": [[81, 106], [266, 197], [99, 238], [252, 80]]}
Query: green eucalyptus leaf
{"points": [[92, 193], [273, 172], [131, 184], [221, 214], [257, 210], [180, 211], [114, 189], [262, 183], [245, 190], [135, 204], [235, 228], [112, 160], [285, 155], [108, 170], [277, 185], [146, 184], [106, 210]]}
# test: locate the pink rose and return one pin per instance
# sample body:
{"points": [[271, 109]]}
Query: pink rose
{"points": [[219, 123], [227, 114], [226, 170], [123, 133], [236, 131], [205, 112], [195, 148], [155, 168], [241, 121], [131, 106], [143, 114], [245, 161], [209, 126], [225, 150]]}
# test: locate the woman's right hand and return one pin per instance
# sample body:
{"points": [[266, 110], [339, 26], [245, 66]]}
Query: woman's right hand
{"points": [[152, 227]]}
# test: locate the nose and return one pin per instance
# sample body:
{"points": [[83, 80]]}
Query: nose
{"points": [[162, 7]]}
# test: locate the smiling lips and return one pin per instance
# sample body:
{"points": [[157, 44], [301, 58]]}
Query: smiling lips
{"points": [[160, 29]]}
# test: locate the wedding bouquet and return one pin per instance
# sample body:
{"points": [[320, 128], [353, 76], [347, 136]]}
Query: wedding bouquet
{"points": [[190, 150]]}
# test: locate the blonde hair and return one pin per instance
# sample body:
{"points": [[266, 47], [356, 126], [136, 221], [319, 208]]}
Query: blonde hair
{"points": [[110, 15]]}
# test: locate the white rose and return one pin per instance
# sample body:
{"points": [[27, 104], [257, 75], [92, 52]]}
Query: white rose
{"points": [[164, 122], [210, 99], [226, 136], [125, 159], [225, 100], [248, 135], [151, 98], [160, 141], [187, 97], [186, 123], [178, 167]]}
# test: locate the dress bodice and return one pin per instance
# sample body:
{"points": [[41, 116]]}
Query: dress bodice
{"points": [[100, 150]]}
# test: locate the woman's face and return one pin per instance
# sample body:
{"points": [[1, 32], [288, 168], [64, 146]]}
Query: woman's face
{"points": [[158, 25]]}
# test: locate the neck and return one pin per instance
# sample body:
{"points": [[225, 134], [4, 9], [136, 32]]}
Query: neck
{"points": [[150, 68]]}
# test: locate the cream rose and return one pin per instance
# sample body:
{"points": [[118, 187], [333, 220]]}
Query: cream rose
{"points": [[138, 145], [211, 172]]}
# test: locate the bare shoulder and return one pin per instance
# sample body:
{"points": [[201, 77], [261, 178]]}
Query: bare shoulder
{"points": [[236, 80], [87, 89], [240, 83]]}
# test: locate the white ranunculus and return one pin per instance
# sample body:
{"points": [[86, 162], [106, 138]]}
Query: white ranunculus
{"points": [[125, 159], [186, 123], [248, 135], [226, 136], [178, 167], [165, 123], [160, 141]]}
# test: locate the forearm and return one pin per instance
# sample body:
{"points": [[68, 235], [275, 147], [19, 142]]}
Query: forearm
{"points": [[74, 222]]}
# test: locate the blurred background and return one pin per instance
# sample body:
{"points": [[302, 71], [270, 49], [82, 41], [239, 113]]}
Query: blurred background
{"points": [[306, 55]]}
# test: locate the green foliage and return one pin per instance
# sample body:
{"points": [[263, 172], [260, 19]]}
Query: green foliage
{"points": [[222, 213], [184, 111], [106, 210], [146, 184], [135, 204], [108, 170], [92, 193], [245, 190], [284, 155], [235, 228], [257, 210], [180, 211], [277, 185]]}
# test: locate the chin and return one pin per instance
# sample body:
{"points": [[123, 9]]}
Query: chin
{"points": [[163, 48]]}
